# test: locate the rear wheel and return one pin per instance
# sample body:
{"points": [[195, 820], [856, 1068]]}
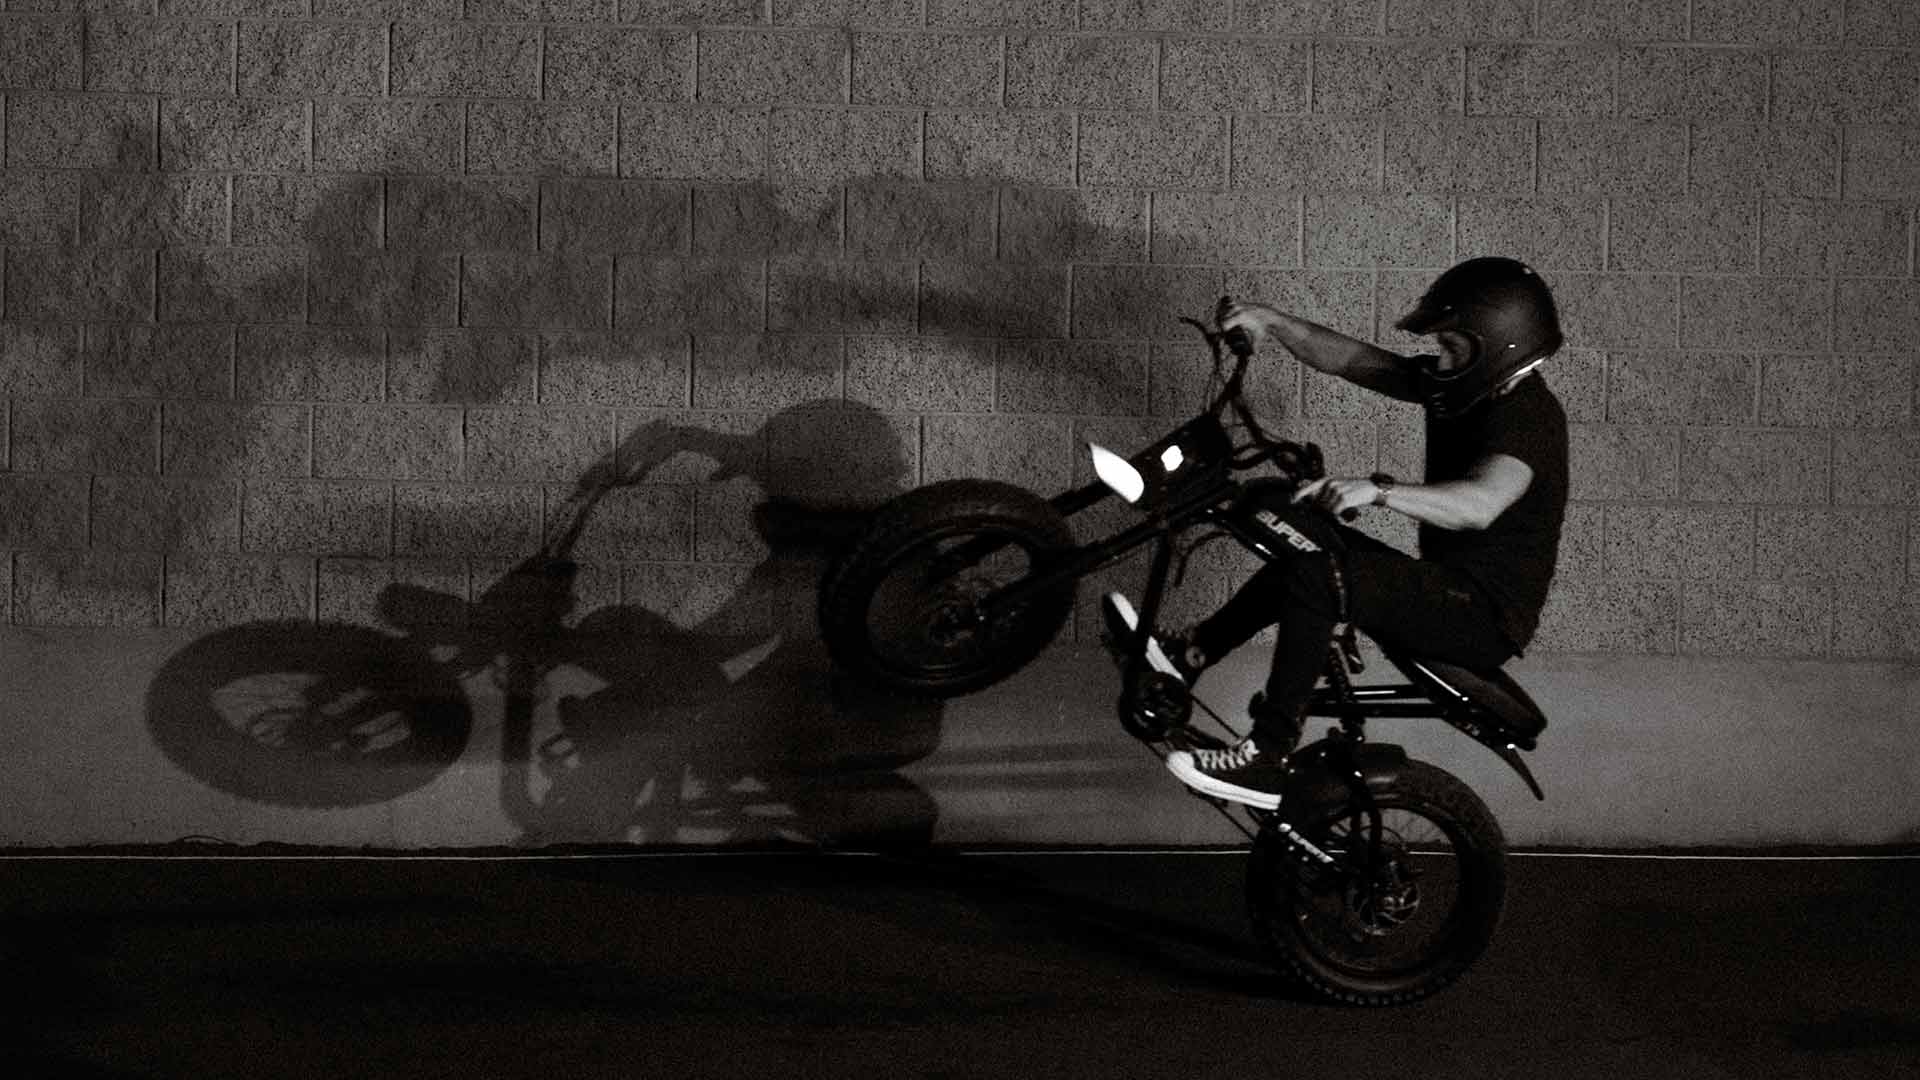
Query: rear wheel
{"points": [[1408, 902], [905, 605]]}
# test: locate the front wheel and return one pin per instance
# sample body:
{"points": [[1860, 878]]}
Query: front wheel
{"points": [[1409, 901], [906, 605]]}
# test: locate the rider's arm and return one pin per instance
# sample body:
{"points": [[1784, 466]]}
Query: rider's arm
{"points": [[1474, 501], [1328, 350]]}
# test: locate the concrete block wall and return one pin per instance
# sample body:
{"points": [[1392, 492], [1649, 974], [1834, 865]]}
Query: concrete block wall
{"points": [[303, 298]]}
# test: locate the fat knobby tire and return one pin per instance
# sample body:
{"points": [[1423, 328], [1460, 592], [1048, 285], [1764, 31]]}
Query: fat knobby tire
{"points": [[948, 508]]}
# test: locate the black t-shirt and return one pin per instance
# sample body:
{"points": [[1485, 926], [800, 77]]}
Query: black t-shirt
{"points": [[1511, 560]]}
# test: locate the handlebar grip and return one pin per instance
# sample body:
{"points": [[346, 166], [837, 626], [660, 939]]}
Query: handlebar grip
{"points": [[1238, 341]]}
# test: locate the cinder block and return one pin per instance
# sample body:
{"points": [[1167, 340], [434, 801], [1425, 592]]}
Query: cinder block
{"points": [[570, 292], [1320, 154], [1340, 299], [159, 56], [203, 439], [857, 297], [1864, 547], [1766, 618], [1882, 163], [354, 9], [643, 521], [1240, 75], [1808, 236], [1847, 87], [1877, 468], [1354, 230], [1086, 378], [90, 436], [46, 131], [1692, 543], [1477, 20], [1049, 71], [840, 454], [766, 372], [1883, 22], [1876, 622], [1609, 617], [683, 446], [258, 285], [536, 445], [300, 363], [1178, 372], [318, 517], [1547, 233], [232, 135], [1578, 377], [387, 136], [1236, 228], [606, 216], [92, 588], [1754, 466], [1010, 14], [1035, 452], [39, 361], [150, 210], [1014, 147], [703, 598], [227, 590], [1562, 81], [1398, 292], [677, 296], [1611, 461], [1775, 314], [1419, 78], [1664, 83], [994, 300], [159, 361], [39, 208], [767, 219], [1766, 159], [1612, 157], [631, 369], [377, 287], [457, 213], [332, 212], [1345, 18], [386, 442], [471, 367], [289, 59], [1490, 155], [39, 52], [766, 67], [726, 531], [933, 374], [1072, 225], [1613, 20], [43, 511], [1877, 314], [711, 12], [1582, 554], [606, 64], [1638, 311], [168, 514], [1187, 15], [1140, 301], [902, 220], [1769, 22], [361, 591], [1328, 397], [543, 140], [1160, 150], [46, 284], [861, 13], [463, 59], [1681, 388], [1838, 391], [938, 70], [694, 143], [822, 146], [1683, 234]]}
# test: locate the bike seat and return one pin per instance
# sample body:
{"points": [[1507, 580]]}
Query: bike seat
{"points": [[1491, 690]]}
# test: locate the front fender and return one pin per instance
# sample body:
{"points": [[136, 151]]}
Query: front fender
{"points": [[1322, 775]]}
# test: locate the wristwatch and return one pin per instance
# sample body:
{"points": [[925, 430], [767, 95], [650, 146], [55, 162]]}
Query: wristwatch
{"points": [[1382, 483]]}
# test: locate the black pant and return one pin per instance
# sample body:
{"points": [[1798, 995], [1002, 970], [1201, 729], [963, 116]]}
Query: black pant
{"points": [[1401, 602]]}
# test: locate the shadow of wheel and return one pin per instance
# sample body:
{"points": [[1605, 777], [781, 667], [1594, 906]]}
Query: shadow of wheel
{"points": [[299, 714]]}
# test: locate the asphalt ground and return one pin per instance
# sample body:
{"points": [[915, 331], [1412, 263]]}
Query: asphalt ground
{"points": [[946, 964]]}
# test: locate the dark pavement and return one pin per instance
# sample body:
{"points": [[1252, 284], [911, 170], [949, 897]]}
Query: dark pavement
{"points": [[931, 965]]}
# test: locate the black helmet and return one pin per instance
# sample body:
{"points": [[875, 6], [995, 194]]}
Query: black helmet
{"points": [[1508, 313]]}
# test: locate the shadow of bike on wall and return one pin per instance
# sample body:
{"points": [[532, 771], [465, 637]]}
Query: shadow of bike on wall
{"points": [[622, 725]]}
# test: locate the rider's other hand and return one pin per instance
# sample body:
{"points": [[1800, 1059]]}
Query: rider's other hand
{"points": [[1248, 317], [1338, 496]]}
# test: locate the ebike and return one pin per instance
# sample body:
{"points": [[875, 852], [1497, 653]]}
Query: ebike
{"points": [[1379, 879]]}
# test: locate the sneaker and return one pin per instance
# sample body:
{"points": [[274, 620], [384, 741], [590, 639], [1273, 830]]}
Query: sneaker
{"points": [[1122, 621], [1239, 773]]}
